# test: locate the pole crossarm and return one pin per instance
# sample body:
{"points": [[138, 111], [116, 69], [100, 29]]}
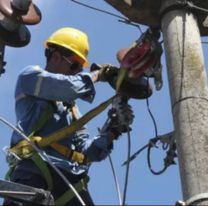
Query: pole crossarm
{"points": [[150, 12]]}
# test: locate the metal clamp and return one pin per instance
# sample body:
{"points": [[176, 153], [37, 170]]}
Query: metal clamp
{"points": [[196, 198], [173, 5], [193, 200]]}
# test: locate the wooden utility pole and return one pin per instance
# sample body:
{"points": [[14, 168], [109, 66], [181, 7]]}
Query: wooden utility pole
{"points": [[182, 22]]}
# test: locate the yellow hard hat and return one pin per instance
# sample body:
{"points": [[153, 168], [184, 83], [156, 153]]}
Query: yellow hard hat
{"points": [[72, 39]]}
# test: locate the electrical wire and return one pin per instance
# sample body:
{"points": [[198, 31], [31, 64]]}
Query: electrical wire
{"points": [[127, 169], [151, 115], [115, 180], [151, 144], [100, 10], [44, 156], [135, 154], [191, 5], [122, 19], [153, 141]]}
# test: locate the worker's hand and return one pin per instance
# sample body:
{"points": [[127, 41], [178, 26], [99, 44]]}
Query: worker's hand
{"points": [[121, 114], [107, 72], [104, 72]]}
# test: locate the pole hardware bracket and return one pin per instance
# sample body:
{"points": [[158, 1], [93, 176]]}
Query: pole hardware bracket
{"points": [[174, 5], [197, 199], [198, 8]]}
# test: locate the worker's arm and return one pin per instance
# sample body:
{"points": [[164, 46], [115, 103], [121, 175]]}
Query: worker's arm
{"points": [[37, 82]]}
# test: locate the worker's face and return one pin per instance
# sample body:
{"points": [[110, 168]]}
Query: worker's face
{"points": [[65, 65]]}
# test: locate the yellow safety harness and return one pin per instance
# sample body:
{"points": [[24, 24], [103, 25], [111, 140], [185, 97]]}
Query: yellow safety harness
{"points": [[24, 149]]}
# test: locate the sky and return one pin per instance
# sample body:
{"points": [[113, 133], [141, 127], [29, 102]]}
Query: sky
{"points": [[106, 36]]}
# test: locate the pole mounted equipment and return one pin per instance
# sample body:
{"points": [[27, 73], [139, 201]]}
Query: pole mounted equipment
{"points": [[143, 58], [14, 16]]}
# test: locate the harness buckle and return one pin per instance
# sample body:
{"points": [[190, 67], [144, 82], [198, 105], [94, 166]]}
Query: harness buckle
{"points": [[11, 158]]}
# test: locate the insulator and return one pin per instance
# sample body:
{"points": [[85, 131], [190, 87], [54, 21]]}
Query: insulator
{"points": [[21, 5], [22, 11], [14, 15], [8, 23]]}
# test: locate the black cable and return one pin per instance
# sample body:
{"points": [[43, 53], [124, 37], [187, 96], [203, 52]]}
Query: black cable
{"points": [[127, 21], [150, 113], [151, 144], [100, 10], [153, 141]]}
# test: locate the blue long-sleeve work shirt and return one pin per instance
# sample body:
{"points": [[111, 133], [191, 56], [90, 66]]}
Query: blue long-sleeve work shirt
{"points": [[35, 90]]}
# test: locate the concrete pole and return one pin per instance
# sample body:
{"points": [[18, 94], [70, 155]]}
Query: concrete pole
{"points": [[189, 97]]}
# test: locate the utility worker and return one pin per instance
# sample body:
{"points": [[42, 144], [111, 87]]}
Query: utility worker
{"points": [[58, 86]]}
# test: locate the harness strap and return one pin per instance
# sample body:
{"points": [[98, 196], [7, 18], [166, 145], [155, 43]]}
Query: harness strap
{"points": [[68, 195], [26, 152], [69, 153], [9, 172], [74, 111], [74, 126], [40, 163], [65, 151], [24, 149], [45, 116]]}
